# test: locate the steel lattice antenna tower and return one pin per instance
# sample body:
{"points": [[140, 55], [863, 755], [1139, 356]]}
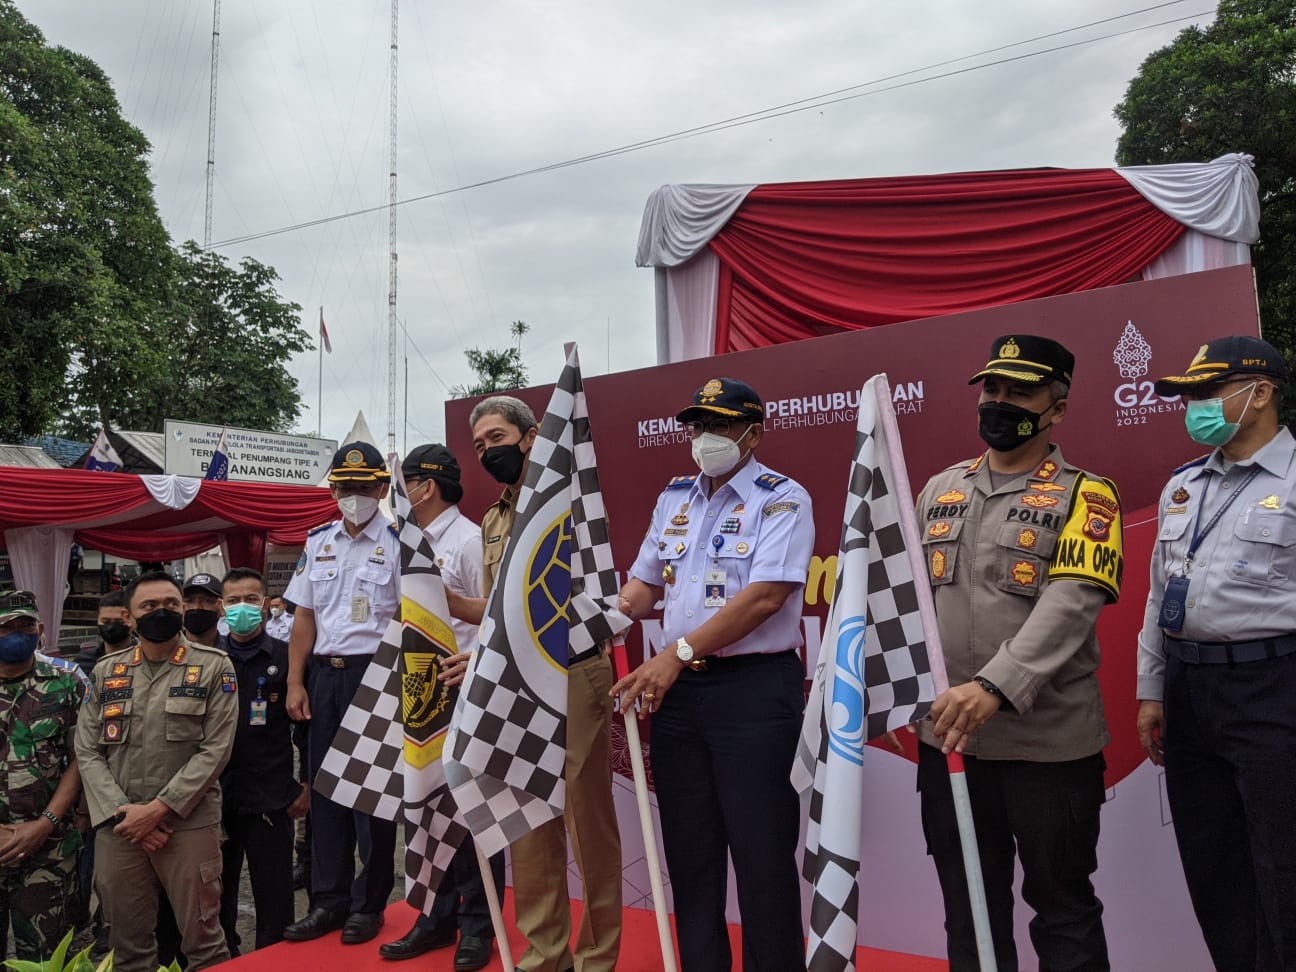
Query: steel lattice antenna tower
{"points": [[391, 229], [211, 123]]}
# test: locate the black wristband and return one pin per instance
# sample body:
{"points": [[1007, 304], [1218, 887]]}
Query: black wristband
{"points": [[993, 689]]}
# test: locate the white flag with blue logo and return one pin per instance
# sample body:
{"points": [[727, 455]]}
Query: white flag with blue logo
{"points": [[873, 674], [218, 468], [103, 457]]}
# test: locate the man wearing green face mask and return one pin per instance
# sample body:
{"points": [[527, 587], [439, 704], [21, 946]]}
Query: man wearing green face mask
{"points": [[261, 797], [1217, 654]]}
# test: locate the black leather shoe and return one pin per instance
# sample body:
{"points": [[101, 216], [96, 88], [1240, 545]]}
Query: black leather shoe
{"points": [[473, 953], [316, 924], [417, 941], [359, 929]]}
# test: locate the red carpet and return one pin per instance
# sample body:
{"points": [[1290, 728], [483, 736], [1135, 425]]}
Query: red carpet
{"points": [[639, 950]]}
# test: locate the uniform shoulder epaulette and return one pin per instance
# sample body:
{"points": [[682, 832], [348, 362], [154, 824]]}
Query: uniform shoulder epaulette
{"points": [[969, 466], [1189, 465], [679, 481], [770, 480], [321, 529]]}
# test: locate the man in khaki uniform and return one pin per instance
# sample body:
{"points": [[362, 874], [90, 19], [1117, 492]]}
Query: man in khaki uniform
{"points": [[1022, 550], [151, 744], [504, 430]]}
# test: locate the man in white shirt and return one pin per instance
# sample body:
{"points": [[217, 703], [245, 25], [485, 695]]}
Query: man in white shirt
{"points": [[460, 911], [279, 624]]}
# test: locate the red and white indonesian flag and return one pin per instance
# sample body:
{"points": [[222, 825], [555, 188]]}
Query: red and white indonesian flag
{"points": [[873, 674]]}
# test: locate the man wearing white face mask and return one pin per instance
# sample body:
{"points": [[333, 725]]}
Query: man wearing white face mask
{"points": [[1217, 654], [346, 588], [729, 552], [279, 624]]}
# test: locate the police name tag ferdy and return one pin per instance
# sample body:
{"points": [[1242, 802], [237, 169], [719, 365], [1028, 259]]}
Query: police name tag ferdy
{"points": [[360, 608], [1174, 604]]}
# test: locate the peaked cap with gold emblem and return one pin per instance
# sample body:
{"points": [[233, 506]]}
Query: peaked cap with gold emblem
{"points": [[358, 461], [726, 397], [1240, 354], [1027, 358]]}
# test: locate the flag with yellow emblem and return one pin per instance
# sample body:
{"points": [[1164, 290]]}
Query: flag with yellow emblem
{"points": [[386, 754]]}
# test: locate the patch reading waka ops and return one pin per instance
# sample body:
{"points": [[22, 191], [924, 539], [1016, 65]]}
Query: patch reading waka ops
{"points": [[1090, 548]]}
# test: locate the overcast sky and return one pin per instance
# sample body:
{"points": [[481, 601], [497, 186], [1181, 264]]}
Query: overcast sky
{"points": [[496, 87]]}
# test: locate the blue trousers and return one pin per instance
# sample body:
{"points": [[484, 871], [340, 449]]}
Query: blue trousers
{"points": [[1230, 764], [722, 749], [337, 831]]}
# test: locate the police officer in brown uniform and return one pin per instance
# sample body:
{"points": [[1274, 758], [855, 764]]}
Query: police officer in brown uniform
{"points": [[151, 744], [1022, 550]]}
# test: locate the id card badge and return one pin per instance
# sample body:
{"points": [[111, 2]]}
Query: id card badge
{"points": [[258, 716], [714, 591], [360, 608], [1174, 604]]}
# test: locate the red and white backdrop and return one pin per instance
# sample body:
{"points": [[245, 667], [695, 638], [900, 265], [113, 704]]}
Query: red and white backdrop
{"points": [[1123, 338], [745, 266]]}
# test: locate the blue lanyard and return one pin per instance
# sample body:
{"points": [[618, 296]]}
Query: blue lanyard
{"points": [[1199, 531]]}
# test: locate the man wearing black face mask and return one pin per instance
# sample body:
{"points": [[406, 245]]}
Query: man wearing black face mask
{"points": [[504, 430], [1022, 550], [152, 742], [202, 602]]}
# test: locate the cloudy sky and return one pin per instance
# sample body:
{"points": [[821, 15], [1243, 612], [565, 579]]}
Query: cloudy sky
{"points": [[495, 88]]}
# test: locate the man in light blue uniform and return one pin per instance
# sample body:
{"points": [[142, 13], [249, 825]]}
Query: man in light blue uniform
{"points": [[1217, 655], [347, 589], [729, 550]]}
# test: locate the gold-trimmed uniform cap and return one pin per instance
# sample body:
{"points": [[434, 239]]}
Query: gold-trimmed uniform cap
{"points": [[1239, 354], [726, 397], [17, 604], [1027, 358], [358, 461]]}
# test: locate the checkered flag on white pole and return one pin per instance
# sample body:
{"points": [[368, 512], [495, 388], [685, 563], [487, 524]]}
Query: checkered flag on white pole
{"points": [[507, 750], [873, 674], [386, 755]]}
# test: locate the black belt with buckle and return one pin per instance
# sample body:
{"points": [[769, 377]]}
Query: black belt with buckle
{"points": [[585, 656], [1229, 652], [342, 661]]}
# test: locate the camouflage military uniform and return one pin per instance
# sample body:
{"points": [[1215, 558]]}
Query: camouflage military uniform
{"points": [[38, 714]]}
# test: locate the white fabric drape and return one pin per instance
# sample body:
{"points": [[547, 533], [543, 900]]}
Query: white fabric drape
{"points": [[679, 220], [691, 292], [1196, 251], [173, 492], [1220, 198], [38, 556]]}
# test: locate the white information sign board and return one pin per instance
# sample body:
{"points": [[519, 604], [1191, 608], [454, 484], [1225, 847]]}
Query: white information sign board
{"points": [[256, 457]]}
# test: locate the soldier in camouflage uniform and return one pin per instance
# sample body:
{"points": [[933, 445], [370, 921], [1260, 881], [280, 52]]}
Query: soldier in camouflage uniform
{"points": [[40, 785]]}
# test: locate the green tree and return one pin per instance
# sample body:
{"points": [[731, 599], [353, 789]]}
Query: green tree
{"points": [[216, 353], [496, 370], [83, 254], [1231, 87]]}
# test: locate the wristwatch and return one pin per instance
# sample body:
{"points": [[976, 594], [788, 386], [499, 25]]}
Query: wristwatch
{"points": [[994, 690], [685, 655]]}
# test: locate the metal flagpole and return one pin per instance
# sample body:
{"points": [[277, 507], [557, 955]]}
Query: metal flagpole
{"points": [[936, 660], [319, 408], [645, 819], [493, 902]]}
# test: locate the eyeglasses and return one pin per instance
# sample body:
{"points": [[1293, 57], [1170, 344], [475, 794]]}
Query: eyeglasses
{"points": [[1215, 388], [719, 426], [256, 600]]}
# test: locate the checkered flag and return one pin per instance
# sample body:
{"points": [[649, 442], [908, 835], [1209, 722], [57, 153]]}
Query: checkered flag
{"points": [[507, 749], [873, 673], [386, 755]]}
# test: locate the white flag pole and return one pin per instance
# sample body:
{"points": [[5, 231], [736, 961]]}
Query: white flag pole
{"points": [[646, 821], [493, 902], [936, 660]]}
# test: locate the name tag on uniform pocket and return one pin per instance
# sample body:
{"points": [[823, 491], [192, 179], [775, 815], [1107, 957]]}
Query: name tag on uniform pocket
{"points": [[258, 713], [1174, 604], [714, 591]]}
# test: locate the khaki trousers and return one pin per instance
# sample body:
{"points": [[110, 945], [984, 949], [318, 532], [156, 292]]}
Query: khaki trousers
{"points": [[540, 858], [188, 869]]}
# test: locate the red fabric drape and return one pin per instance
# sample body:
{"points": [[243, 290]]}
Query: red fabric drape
{"points": [[806, 259], [115, 513]]}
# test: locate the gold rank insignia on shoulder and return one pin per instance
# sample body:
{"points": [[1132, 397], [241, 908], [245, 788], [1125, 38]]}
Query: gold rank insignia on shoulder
{"points": [[1180, 495], [178, 655], [1047, 470], [1270, 502]]}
